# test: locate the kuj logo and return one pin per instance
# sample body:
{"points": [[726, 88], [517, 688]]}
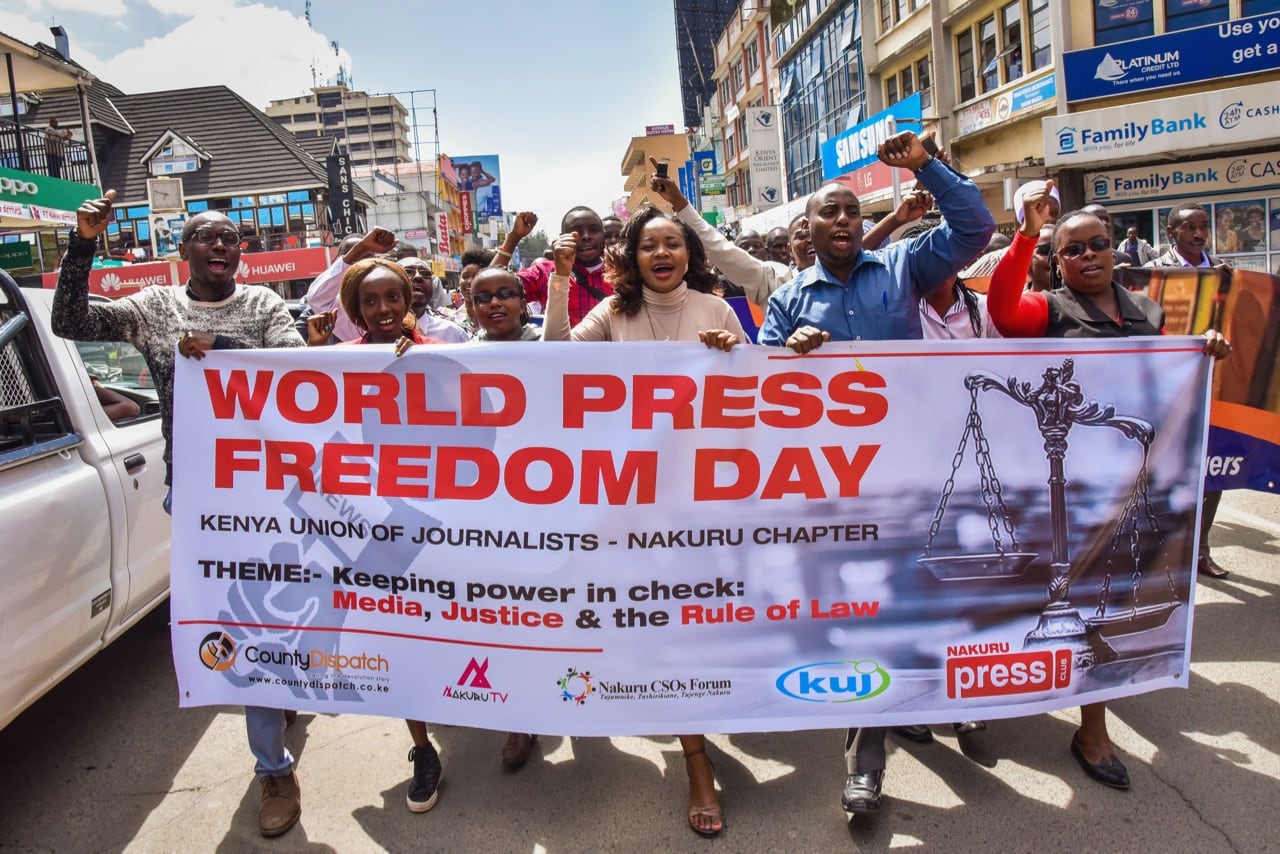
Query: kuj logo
{"points": [[1109, 69], [476, 675], [218, 651], [1067, 141], [765, 119], [1236, 171], [1231, 115], [769, 195], [834, 681], [575, 686], [1101, 186]]}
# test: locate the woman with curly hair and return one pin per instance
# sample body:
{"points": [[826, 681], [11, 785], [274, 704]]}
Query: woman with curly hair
{"points": [[662, 289], [662, 292]]}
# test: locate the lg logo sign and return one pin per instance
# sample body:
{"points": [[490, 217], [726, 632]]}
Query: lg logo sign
{"points": [[18, 187]]}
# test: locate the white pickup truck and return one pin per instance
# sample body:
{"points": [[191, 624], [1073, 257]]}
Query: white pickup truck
{"points": [[84, 539]]}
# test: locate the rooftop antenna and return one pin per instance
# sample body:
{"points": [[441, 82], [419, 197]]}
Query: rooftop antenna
{"points": [[307, 12]]}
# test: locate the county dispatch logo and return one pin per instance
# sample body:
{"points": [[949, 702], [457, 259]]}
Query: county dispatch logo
{"points": [[473, 686], [840, 681], [994, 670], [218, 651], [576, 686]]}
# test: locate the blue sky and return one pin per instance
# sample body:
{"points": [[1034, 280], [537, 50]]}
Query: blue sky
{"points": [[556, 89]]}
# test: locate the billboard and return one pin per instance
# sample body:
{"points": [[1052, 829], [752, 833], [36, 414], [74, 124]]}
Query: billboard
{"points": [[478, 174]]}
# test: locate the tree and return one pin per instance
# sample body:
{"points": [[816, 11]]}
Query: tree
{"points": [[532, 247]]}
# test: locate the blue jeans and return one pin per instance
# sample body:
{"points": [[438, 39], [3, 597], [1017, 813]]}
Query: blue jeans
{"points": [[264, 726]]}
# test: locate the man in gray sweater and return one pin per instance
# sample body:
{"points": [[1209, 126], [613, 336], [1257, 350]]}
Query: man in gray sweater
{"points": [[210, 312]]}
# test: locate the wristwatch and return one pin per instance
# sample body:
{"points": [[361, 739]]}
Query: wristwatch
{"points": [[925, 163]]}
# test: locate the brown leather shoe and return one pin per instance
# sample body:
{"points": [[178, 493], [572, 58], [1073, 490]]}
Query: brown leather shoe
{"points": [[515, 753], [1209, 567], [281, 805]]}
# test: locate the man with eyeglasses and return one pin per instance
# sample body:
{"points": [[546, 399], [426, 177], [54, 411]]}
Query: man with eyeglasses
{"points": [[211, 312], [431, 322]]}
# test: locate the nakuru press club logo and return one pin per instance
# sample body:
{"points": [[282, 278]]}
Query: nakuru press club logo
{"points": [[218, 651]]}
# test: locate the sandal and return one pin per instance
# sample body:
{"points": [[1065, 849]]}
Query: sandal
{"points": [[705, 811], [515, 753]]}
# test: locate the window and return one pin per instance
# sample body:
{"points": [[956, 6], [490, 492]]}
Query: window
{"points": [[1041, 44], [726, 94], [1259, 7], [1183, 14], [907, 82], [964, 63], [1116, 23], [752, 57], [886, 15], [987, 49], [924, 81], [1011, 42], [891, 91], [735, 73], [893, 12]]}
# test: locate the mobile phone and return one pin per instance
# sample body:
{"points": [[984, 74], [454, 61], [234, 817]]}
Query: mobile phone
{"points": [[930, 146], [662, 169]]}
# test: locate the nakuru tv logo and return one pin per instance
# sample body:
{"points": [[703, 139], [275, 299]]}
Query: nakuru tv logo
{"points": [[218, 651], [1004, 673]]}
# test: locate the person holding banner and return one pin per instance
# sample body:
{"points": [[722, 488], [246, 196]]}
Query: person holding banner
{"points": [[662, 292], [851, 294], [1085, 304], [211, 313]]}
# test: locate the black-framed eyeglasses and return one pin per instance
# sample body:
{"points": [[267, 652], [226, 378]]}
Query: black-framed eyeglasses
{"points": [[1044, 249], [207, 236], [486, 297], [1075, 250], [415, 270]]}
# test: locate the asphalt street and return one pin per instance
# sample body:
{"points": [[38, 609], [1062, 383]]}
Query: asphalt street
{"points": [[107, 762]]}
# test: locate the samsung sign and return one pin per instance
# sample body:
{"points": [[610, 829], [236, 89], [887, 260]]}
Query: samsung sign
{"points": [[1223, 117], [856, 147], [1229, 49]]}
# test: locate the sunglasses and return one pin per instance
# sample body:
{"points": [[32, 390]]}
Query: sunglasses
{"points": [[486, 297], [1044, 249], [207, 236], [1075, 250]]}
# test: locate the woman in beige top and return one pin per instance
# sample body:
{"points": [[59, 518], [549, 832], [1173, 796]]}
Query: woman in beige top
{"points": [[662, 292], [662, 289]]}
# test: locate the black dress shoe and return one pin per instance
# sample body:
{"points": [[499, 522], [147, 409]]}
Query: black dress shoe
{"points": [[1209, 567], [919, 733], [862, 792], [1110, 772], [966, 727]]}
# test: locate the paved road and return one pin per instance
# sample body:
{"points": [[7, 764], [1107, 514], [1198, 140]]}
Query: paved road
{"points": [[107, 762]]}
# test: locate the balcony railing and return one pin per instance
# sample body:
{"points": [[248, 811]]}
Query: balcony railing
{"points": [[24, 148]]}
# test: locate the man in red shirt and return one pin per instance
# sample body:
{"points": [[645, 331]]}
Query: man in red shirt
{"points": [[588, 267]]}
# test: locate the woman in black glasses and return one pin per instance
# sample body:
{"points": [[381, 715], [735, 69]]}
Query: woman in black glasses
{"points": [[1084, 303]]}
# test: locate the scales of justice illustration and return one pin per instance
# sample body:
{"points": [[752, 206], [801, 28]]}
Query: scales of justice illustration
{"points": [[1058, 405]]}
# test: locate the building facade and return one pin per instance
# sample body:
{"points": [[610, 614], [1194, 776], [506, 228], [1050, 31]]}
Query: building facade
{"points": [[374, 129], [746, 76], [672, 147], [698, 25]]}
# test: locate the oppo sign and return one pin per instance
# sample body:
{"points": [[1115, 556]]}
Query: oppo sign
{"points": [[18, 187]]}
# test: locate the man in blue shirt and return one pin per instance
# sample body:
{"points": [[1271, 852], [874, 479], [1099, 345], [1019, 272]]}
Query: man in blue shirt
{"points": [[852, 294]]}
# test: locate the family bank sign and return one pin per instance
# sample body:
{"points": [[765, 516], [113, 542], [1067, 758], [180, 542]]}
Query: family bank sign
{"points": [[1195, 178], [1225, 117], [1228, 49]]}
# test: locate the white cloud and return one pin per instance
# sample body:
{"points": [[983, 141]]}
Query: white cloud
{"points": [[260, 52], [28, 30]]}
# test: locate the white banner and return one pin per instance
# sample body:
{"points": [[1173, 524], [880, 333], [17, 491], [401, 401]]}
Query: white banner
{"points": [[555, 540], [767, 187], [1216, 119]]}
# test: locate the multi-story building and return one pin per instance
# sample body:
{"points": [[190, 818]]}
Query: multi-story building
{"points": [[745, 76], [672, 147], [374, 129], [698, 25], [1183, 110], [819, 51]]}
